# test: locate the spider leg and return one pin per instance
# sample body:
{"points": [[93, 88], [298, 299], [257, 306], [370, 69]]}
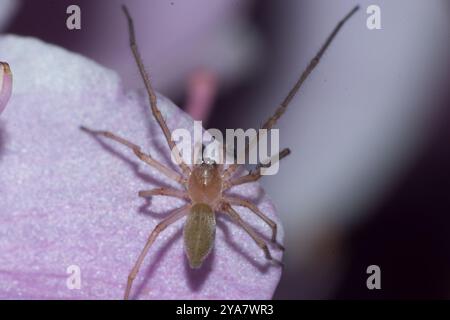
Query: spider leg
{"points": [[173, 217], [137, 151], [281, 109], [151, 94], [255, 174], [230, 171], [259, 241], [252, 207], [164, 192], [270, 122]]}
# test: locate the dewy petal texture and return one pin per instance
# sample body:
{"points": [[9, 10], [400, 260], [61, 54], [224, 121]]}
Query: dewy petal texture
{"points": [[69, 201], [5, 85]]}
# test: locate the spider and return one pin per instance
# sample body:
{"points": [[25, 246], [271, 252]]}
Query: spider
{"points": [[205, 183]]}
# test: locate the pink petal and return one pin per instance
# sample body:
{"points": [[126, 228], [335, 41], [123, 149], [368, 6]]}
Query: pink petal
{"points": [[69, 199], [5, 85]]}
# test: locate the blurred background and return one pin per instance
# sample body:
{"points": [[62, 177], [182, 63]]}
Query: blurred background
{"points": [[368, 180]]}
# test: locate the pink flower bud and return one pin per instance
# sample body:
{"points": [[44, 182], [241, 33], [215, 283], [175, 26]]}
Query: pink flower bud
{"points": [[5, 84]]}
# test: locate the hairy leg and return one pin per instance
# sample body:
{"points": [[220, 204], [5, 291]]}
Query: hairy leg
{"points": [[226, 207], [255, 174], [151, 94], [281, 109], [173, 217], [164, 192], [252, 207], [137, 151], [270, 122]]}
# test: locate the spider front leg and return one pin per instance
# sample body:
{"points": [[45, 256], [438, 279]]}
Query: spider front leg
{"points": [[259, 241], [254, 175], [137, 151], [164, 192], [247, 204], [281, 109], [173, 217], [151, 94]]}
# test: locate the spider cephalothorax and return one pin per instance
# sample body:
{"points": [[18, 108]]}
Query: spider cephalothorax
{"points": [[204, 184]]}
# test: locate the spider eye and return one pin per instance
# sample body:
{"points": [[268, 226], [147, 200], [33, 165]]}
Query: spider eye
{"points": [[209, 162]]}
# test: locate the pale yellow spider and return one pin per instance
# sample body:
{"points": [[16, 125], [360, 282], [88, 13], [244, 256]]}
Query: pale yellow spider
{"points": [[205, 183]]}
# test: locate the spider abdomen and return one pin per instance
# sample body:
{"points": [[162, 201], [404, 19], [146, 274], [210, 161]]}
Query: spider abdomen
{"points": [[199, 233]]}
